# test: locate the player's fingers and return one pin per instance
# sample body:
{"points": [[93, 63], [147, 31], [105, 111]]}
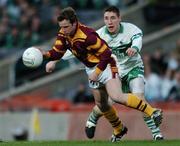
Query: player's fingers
{"points": [[132, 53], [129, 52], [48, 70]]}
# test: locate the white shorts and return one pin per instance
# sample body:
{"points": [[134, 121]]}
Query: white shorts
{"points": [[105, 76]]}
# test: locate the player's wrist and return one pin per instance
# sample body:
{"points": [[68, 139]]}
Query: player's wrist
{"points": [[46, 55], [136, 48]]}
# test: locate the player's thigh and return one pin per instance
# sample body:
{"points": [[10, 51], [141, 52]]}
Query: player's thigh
{"points": [[110, 100], [113, 88], [137, 86]]}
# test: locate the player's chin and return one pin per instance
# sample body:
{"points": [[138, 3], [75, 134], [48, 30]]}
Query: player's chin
{"points": [[67, 34], [111, 29]]}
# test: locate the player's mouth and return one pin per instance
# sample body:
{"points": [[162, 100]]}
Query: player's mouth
{"points": [[111, 28]]}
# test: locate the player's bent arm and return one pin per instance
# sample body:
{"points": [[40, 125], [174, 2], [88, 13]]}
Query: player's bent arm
{"points": [[136, 45], [137, 42], [50, 66]]}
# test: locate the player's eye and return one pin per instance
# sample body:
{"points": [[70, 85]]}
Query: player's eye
{"points": [[113, 18], [105, 18]]}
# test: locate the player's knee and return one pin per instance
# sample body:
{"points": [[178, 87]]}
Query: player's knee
{"points": [[110, 101], [119, 98], [140, 95]]}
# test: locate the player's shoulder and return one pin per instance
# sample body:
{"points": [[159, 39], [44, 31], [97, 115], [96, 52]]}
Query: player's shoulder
{"points": [[130, 27], [85, 28], [128, 24], [87, 33], [61, 33]]}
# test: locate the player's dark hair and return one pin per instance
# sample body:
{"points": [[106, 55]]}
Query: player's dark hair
{"points": [[112, 9], [68, 14]]}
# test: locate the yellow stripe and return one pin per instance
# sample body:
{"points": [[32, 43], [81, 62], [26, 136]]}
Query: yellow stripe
{"points": [[59, 51], [79, 34], [92, 58], [104, 47], [58, 42], [79, 39], [98, 71], [95, 46], [74, 52], [54, 48]]}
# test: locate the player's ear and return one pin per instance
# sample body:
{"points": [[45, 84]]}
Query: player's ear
{"points": [[74, 24]]}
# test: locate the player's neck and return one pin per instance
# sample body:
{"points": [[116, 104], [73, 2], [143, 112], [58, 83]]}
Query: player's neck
{"points": [[116, 32]]}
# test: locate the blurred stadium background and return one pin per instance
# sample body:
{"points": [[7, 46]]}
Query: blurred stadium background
{"points": [[35, 105]]}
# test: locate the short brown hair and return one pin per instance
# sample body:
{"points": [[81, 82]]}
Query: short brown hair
{"points": [[113, 9], [68, 14]]}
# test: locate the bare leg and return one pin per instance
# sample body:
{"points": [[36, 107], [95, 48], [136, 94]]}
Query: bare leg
{"points": [[101, 100]]}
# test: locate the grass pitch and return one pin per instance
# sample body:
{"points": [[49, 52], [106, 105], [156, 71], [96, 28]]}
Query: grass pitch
{"points": [[94, 143]]}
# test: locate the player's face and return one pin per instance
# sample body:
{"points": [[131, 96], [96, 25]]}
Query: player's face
{"points": [[112, 21], [67, 27]]}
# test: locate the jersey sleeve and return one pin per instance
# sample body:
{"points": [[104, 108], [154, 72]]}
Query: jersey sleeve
{"points": [[136, 38], [59, 48]]}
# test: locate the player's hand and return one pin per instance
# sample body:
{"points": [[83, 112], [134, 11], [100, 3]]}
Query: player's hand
{"points": [[50, 66], [131, 52], [93, 77]]}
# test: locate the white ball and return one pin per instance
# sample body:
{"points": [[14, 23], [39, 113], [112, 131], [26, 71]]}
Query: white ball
{"points": [[32, 57]]}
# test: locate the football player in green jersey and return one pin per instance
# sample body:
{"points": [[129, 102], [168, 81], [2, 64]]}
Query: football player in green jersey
{"points": [[125, 40]]}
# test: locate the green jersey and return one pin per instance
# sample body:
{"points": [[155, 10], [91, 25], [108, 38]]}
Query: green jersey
{"points": [[128, 36]]}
